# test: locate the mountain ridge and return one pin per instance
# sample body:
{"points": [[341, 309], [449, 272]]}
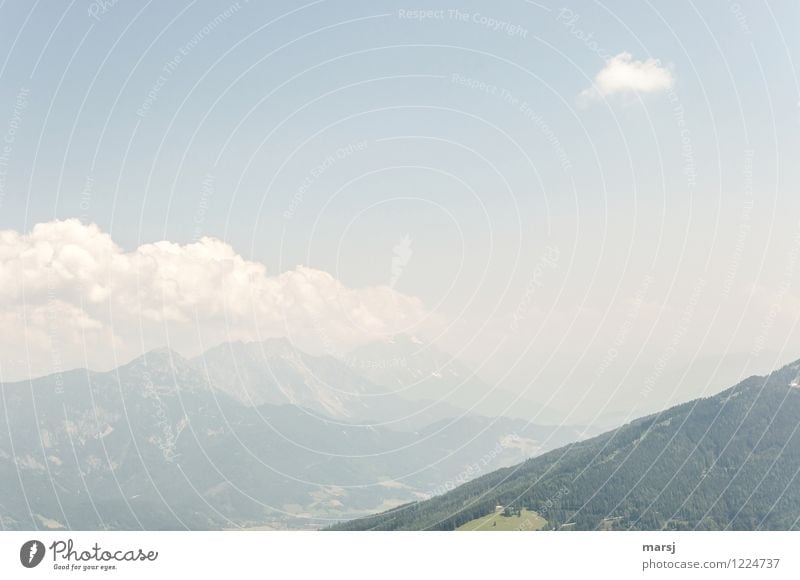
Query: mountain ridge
{"points": [[153, 444], [726, 461]]}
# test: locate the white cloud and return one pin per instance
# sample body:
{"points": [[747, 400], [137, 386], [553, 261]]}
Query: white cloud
{"points": [[70, 297], [623, 75]]}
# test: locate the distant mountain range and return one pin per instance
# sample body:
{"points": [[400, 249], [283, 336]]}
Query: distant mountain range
{"points": [[248, 434], [413, 370], [731, 461], [276, 373]]}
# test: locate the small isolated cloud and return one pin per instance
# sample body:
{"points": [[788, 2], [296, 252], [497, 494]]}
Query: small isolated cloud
{"points": [[623, 75], [71, 297]]}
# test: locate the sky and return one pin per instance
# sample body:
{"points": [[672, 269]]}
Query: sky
{"points": [[591, 203]]}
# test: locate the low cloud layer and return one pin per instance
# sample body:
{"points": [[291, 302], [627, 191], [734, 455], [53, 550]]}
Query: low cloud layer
{"points": [[70, 297], [623, 75]]}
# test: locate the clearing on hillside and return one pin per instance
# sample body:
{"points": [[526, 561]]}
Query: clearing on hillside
{"points": [[497, 522]]}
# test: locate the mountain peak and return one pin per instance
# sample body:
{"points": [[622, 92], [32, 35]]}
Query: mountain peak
{"points": [[405, 339], [162, 353], [267, 348], [397, 344], [788, 375], [160, 358]]}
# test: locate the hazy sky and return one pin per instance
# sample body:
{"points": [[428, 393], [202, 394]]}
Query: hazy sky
{"points": [[594, 202]]}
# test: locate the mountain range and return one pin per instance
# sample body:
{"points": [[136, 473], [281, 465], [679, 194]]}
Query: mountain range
{"points": [[413, 370], [726, 462], [246, 435]]}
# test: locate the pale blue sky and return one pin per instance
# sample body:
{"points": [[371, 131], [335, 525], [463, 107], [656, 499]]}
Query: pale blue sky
{"points": [[482, 181]]}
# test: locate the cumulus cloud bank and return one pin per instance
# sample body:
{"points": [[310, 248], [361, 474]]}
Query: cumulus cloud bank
{"points": [[623, 75], [71, 297]]}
